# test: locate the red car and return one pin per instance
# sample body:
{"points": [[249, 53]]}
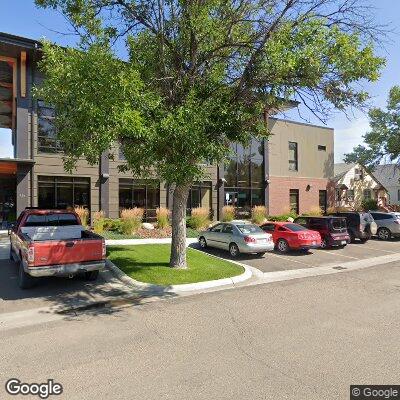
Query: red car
{"points": [[289, 236]]}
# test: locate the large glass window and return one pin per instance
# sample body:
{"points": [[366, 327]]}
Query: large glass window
{"points": [[140, 193], [293, 157], [244, 175], [63, 192], [200, 196], [47, 135]]}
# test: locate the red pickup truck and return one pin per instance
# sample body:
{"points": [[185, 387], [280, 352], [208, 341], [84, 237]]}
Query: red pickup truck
{"points": [[54, 243]]}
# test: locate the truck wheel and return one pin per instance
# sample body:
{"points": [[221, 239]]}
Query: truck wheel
{"points": [[25, 281], [91, 275]]}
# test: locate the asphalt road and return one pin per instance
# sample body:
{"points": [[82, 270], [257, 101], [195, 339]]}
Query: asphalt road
{"points": [[274, 261], [300, 339]]}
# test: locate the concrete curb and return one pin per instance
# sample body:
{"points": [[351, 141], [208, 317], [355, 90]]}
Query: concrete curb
{"points": [[125, 242], [188, 287]]}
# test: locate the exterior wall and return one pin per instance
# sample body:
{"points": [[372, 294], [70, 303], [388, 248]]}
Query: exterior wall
{"points": [[315, 167], [279, 188], [312, 163], [393, 198]]}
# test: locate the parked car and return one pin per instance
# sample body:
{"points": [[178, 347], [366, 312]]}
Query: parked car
{"points": [[54, 243], [360, 225], [290, 236], [388, 224], [237, 237], [333, 230]]}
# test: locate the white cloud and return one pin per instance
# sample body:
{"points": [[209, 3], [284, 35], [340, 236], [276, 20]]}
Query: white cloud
{"points": [[349, 136]]}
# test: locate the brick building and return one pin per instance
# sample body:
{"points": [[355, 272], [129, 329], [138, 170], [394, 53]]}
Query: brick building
{"points": [[290, 171]]}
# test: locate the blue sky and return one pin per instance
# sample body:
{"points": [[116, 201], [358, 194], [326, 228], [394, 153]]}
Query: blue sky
{"points": [[21, 17]]}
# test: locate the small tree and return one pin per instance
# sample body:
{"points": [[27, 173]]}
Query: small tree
{"points": [[200, 74]]}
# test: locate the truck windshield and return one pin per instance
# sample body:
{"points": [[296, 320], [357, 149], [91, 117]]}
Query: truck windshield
{"points": [[58, 219]]}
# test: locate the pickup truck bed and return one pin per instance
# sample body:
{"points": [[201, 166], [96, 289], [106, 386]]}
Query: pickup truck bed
{"points": [[45, 247]]}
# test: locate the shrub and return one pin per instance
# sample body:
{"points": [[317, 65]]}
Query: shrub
{"points": [[131, 220], [83, 214], [228, 213], [333, 210], [98, 222], [282, 217], [199, 218], [369, 204], [162, 214], [313, 212], [258, 214]]}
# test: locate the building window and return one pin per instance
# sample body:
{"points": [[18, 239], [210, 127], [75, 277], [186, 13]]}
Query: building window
{"points": [[244, 175], [140, 193], [293, 157], [323, 200], [294, 201], [350, 194], [367, 194], [200, 196], [47, 135], [321, 147], [63, 192]]}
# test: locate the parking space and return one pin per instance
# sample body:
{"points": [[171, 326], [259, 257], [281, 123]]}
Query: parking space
{"points": [[315, 258], [57, 293]]}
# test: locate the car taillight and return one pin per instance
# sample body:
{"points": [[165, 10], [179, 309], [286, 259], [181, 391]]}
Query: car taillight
{"points": [[31, 254], [303, 236], [103, 249], [249, 239]]}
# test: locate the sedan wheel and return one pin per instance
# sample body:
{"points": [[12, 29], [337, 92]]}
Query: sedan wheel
{"points": [[203, 242], [233, 250], [282, 246], [384, 234]]}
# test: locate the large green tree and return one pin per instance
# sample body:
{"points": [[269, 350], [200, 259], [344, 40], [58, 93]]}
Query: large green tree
{"points": [[200, 74], [382, 142]]}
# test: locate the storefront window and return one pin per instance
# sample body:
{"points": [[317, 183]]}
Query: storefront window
{"points": [[63, 192], [200, 196], [140, 193], [244, 175]]}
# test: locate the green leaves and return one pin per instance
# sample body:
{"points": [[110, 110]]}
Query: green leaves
{"points": [[200, 75], [383, 140]]}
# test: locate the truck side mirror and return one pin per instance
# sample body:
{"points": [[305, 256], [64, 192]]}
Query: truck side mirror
{"points": [[10, 228]]}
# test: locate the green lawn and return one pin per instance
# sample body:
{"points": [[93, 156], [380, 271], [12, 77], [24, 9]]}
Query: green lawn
{"points": [[149, 263]]}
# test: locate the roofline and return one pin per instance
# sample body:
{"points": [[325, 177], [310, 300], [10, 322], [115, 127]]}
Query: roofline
{"points": [[291, 121], [19, 41], [366, 169]]}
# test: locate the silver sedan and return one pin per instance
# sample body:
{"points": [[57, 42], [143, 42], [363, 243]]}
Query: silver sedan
{"points": [[237, 237]]}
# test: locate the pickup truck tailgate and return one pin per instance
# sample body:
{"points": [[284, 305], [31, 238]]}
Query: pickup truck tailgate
{"points": [[67, 251]]}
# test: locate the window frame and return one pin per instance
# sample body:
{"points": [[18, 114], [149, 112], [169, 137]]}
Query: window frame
{"points": [[294, 163], [57, 146], [295, 192]]}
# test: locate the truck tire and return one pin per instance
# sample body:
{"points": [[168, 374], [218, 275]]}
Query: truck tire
{"points": [[91, 275], [25, 281]]}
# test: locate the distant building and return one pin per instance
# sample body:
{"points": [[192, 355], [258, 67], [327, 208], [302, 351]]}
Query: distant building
{"points": [[353, 184], [389, 176]]}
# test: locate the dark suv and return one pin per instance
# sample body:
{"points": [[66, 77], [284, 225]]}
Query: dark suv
{"points": [[333, 230], [360, 225]]}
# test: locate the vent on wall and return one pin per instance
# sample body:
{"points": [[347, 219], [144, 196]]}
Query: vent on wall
{"points": [[321, 147]]}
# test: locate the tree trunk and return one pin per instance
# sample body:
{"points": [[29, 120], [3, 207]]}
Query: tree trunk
{"points": [[178, 245]]}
